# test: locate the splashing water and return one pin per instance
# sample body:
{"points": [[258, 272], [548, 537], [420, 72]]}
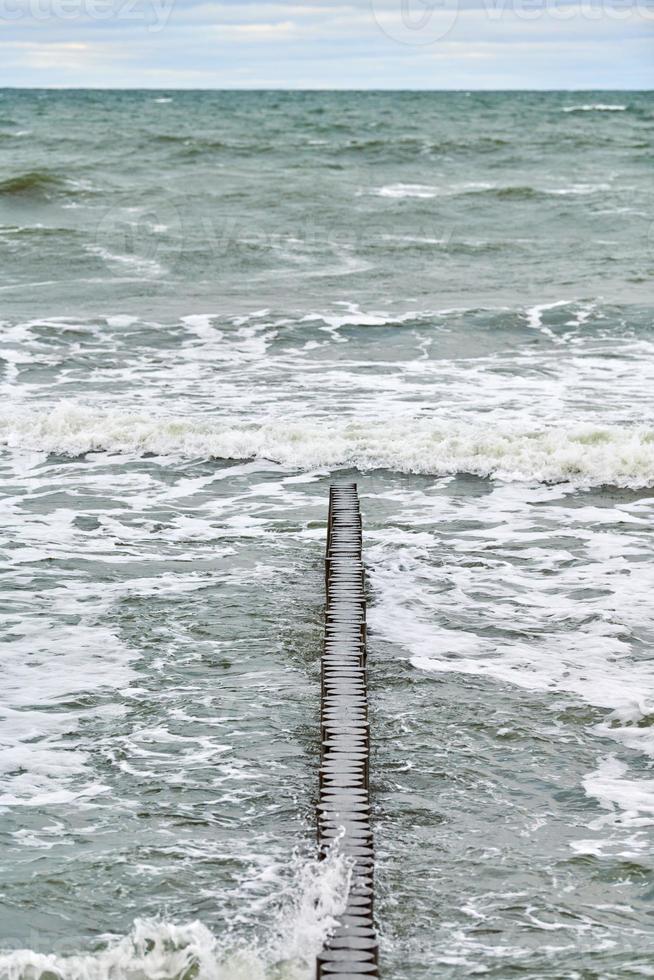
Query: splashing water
{"points": [[310, 904]]}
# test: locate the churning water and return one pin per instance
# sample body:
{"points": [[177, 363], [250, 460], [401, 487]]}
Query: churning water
{"points": [[210, 304]]}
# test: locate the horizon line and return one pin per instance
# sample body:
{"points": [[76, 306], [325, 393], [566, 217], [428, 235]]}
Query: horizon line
{"points": [[254, 88]]}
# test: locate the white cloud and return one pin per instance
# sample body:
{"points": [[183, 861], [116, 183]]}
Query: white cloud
{"points": [[282, 31], [485, 43], [45, 56]]}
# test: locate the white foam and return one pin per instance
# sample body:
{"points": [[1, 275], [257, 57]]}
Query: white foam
{"points": [[534, 316], [202, 325], [43, 671], [144, 266], [586, 455], [628, 800], [579, 189], [161, 950], [566, 590], [426, 191], [355, 317], [154, 950], [595, 107], [121, 320], [406, 190]]}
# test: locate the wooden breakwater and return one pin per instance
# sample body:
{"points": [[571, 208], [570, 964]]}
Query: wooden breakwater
{"points": [[344, 804]]}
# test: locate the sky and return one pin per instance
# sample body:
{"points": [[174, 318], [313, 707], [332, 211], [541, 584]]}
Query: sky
{"points": [[333, 44]]}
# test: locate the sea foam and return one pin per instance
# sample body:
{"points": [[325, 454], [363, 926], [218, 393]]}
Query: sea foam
{"points": [[157, 949], [584, 455], [595, 107]]}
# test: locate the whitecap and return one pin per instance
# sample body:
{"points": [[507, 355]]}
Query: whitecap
{"points": [[406, 190], [595, 107], [578, 189], [156, 949], [630, 800], [583, 455], [121, 320], [146, 267]]}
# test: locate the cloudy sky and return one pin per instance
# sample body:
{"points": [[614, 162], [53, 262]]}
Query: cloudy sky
{"points": [[411, 44]]}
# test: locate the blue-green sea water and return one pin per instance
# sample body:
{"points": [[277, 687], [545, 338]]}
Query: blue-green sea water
{"points": [[211, 304]]}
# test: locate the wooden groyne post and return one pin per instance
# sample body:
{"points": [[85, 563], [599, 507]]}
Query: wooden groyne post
{"points": [[344, 804]]}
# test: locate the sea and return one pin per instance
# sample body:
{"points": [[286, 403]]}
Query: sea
{"points": [[213, 304]]}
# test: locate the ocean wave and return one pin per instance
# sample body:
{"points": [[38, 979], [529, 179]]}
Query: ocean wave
{"points": [[190, 141], [147, 267], [595, 107], [629, 802], [409, 147], [518, 192], [33, 183], [527, 193], [156, 949], [406, 190], [160, 950], [16, 134], [430, 190], [584, 455], [579, 189], [566, 588], [37, 231], [41, 184], [451, 245]]}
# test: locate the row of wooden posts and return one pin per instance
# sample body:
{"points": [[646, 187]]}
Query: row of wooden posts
{"points": [[344, 804]]}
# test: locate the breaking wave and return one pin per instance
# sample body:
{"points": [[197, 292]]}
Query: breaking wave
{"points": [[34, 183], [585, 455], [595, 107], [41, 185], [158, 950]]}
